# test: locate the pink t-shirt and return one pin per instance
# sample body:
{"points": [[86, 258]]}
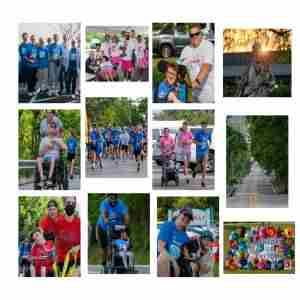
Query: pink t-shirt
{"points": [[185, 140], [167, 145]]}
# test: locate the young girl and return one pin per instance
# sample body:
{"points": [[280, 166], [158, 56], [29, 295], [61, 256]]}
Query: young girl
{"points": [[107, 70], [115, 52]]}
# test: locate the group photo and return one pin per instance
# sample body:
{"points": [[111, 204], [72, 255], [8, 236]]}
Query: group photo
{"points": [[119, 233], [257, 62], [49, 150], [183, 149], [49, 237], [117, 53], [49, 62], [183, 62], [188, 237], [116, 137]]}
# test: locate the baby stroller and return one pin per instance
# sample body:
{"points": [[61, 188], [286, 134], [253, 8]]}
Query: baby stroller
{"points": [[116, 263], [170, 170]]}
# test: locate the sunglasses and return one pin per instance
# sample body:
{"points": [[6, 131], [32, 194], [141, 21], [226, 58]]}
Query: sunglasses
{"points": [[195, 34]]}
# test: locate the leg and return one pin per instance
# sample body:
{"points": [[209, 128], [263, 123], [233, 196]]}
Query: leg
{"points": [[204, 168], [39, 162], [52, 166]]}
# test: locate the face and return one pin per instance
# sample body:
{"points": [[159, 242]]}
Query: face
{"points": [[55, 38], [196, 37], [166, 132], [171, 75], [32, 39], [52, 212], [204, 127], [50, 116], [184, 126], [37, 237], [73, 44], [182, 222], [41, 42], [25, 37]]}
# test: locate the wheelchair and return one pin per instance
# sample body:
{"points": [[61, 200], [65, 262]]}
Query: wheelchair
{"points": [[60, 180], [115, 263]]}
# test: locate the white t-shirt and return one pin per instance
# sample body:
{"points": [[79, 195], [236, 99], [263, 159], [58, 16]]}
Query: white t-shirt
{"points": [[106, 47], [140, 50], [124, 137], [130, 46], [194, 58]]}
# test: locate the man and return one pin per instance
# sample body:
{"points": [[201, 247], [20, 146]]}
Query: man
{"points": [[112, 212], [115, 139], [23, 48], [171, 239], [63, 76], [55, 59], [202, 139], [124, 139], [137, 144], [51, 118], [198, 57], [93, 139], [67, 238]]}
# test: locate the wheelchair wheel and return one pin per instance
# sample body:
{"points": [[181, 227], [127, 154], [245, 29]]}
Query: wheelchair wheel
{"points": [[36, 179], [65, 179]]}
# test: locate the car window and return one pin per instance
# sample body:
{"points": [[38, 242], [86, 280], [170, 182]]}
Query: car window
{"points": [[168, 29]]}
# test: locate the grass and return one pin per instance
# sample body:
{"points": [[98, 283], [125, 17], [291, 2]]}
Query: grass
{"points": [[227, 229]]}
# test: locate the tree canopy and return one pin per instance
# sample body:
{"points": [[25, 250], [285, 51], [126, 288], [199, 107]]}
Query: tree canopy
{"points": [[117, 112]]}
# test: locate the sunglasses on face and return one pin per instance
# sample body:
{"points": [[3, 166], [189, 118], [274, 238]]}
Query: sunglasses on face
{"points": [[195, 34]]}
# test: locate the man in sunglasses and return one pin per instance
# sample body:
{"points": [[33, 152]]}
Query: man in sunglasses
{"points": [[198, 57]]}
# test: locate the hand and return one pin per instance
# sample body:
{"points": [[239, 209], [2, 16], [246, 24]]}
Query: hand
{"points": [[74, 249], [195, 84]]}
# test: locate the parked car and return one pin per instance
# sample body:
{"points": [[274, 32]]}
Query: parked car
{"points": [[172, 38]]}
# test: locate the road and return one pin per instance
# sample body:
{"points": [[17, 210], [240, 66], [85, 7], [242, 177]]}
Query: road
{"points": [[256, 191], [74, 184], [195, 184], [141, 269], [47, 99], [124, 169]]}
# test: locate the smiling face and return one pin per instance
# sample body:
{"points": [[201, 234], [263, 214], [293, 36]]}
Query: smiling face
{"points": [[196, 36], [171, 75], [182, 222]]}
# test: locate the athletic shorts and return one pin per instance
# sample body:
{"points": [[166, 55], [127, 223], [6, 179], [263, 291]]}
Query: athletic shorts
{"points": [[70, 156], [137, 152], [103, 237], [201, 155], [93, 147], [124, 147], [49, 157], [183, 155]]}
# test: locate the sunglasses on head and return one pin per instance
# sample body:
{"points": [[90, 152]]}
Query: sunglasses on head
{"points": [[195, 34]]}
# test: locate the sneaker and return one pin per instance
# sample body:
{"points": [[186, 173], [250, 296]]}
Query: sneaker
{"points": [[203, 184], [37, 91], [71, 177], [73, 96], [187, 181], [138, 167]]}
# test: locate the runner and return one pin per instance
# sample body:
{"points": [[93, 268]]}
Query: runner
{"points": [[72, 147], [124, 139], [99, 148], [137, 144], [198, 57], [115, 139], [23, 71], [167, 147], [42, 73], [112, 211], [93, 138], [202, 139]]}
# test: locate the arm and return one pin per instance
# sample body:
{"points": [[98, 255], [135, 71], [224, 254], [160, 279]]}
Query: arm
{"points": [[162, 248], [172, 98]]}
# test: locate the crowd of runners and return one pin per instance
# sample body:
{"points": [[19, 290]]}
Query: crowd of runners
{"points": [[118, 144]]}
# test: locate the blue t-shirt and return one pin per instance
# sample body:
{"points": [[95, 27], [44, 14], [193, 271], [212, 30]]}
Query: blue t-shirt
{"points": [[31, 55], [25, 249], [55, 51], [115, 136], [164, 89], [23, 49], [94, 136], [115, 213], [203, 138], [182, 96], [173, 237], [72, 144], [99, 144], [42, 57], [73, 59], [137, 138]]}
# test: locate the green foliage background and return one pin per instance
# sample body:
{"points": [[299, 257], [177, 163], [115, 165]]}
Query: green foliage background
{"points": [[139, 223], [269, 145], [29, 129], [116, 111], [165, 203]]}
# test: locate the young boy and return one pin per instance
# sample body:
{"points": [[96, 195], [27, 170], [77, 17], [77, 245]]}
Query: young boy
{"points": [[123, 246], [72, 146]]}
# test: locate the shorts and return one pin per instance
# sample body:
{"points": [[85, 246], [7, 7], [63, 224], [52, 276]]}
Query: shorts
{"points": [[137, 152], [124, 147], [200, 155], [204, 95], [127, 66], [93, 147], [99, 151], [116, 60], [183, 156], [116, 145], [103, 237], [70, 156], [50, 157], [142, 63]]}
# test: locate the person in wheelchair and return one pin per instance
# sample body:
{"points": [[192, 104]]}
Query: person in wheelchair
{"points": [[122, 246], [49, 153], [172, 241]]}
